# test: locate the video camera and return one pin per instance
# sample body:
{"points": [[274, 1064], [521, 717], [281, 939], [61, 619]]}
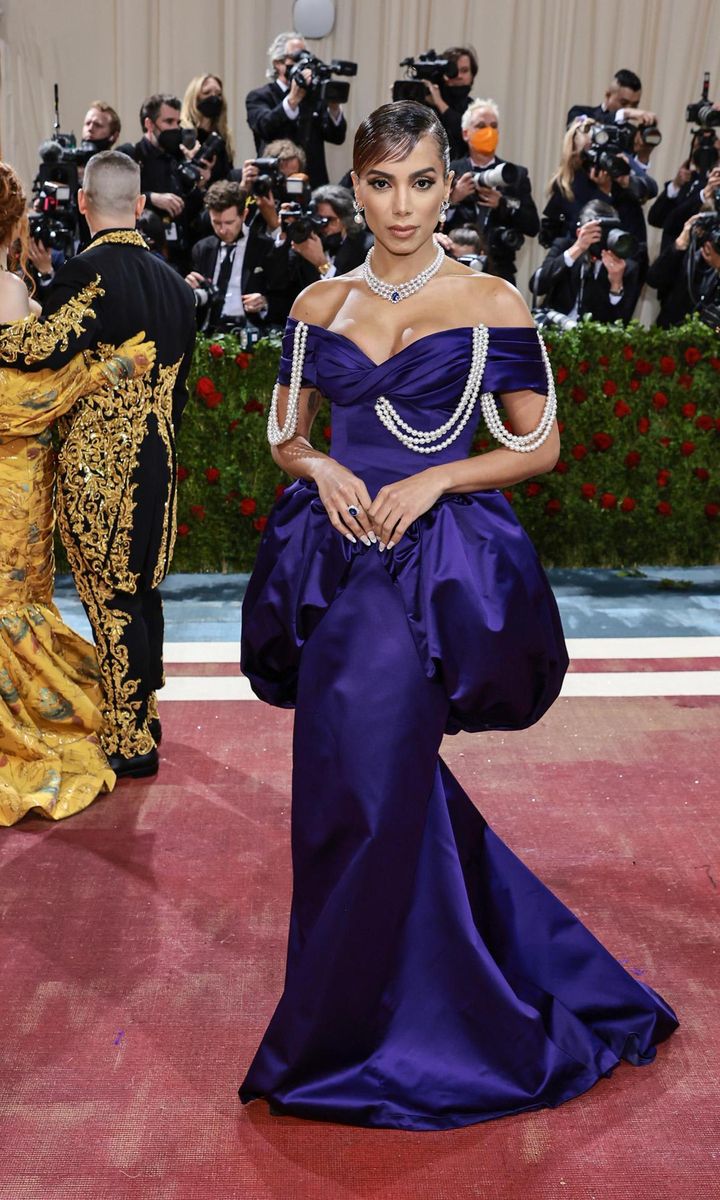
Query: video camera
{"points": [[425, 67], [299, 223], [703, 114], [322, 85], [55, 216]]}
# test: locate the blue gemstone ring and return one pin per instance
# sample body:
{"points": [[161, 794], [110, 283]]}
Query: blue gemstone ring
{"points": [[353, 510]]}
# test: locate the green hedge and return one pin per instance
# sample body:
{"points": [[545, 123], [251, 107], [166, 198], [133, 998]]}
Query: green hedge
{"points": [[638, 480]]}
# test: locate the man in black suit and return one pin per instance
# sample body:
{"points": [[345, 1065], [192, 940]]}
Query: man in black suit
{"points": [[504, 215], [235, 259], [669, 274], [282, 109], [621, 103], [339, 247], [577, 279], [116, 466], [451, 97]]}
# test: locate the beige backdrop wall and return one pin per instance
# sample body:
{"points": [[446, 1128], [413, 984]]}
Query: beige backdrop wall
{"points": [[536, 58]]}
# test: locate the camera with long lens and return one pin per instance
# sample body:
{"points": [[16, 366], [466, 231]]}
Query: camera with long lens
{"points": [[502, 238], [270, 178], [299, 223], [703, 111], [707, 229], [321, 83], [550, 318], [476, 262], [502, 175], [189, 170], [614, 238], [425, 67]]}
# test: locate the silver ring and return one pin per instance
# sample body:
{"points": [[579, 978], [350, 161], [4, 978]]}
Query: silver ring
{"points": [[353, 510]]}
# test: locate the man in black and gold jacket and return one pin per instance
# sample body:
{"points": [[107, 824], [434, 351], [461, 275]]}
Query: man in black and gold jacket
{"points": [[116, 466]]}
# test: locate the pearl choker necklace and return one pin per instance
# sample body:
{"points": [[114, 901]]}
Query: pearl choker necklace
{"points": [[394, 292]]}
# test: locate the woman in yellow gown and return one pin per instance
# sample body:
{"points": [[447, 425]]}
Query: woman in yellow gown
{"points": [[51, 761]]}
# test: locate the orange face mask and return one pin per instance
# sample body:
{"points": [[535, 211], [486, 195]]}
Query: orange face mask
{"points": [[484, 141]]}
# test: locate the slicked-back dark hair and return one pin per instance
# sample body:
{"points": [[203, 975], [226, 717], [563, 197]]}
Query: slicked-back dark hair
{"points": [[392, 131], [628, 79]]}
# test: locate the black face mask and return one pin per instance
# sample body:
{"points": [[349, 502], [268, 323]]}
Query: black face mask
{"points": [[210, 106], [456, 97], [170, 140], [332, 242], [96, 146]]}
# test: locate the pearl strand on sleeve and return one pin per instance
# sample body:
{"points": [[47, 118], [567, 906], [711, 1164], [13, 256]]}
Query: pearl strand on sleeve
{"points": [[524, 443], [275, 434]]}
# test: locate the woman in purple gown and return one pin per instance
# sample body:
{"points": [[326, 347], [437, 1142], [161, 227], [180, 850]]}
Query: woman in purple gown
{"points": [[432, 980]]}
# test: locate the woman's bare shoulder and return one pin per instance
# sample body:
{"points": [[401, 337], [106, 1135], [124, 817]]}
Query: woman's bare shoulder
{"points": [[320, 301], [495, 302], [14, 299]]}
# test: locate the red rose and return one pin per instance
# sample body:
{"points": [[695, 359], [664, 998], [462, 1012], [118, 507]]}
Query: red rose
{"points": [[253, 406], [660, 400], [715, 363], [233, 425], [247, 506], [583, 367], [508, 495], [578, 394], [602, 441], [533, 489], [643, 424], [242, 360], [609, 387], [205, 386], [608, 500], [259, 523], [183, 530], [561, 467], [628, 504], [632, 459], [553, 507], [216, 350], [634, 385], [198, 511], [212, 474], [588, 490], [279, 490], [579, 452], [663, 477], [561, 374], [687, 448], [664, 441], [643, 367], [327, 433], [667, 364], [704, 422], [604, 361], [685, 381], [689, 410], [692, 356], [702, 474], [213, 401], [664, 508], [621, 409], [628, 353], [182, 474], [480, 444], [712, 511]]}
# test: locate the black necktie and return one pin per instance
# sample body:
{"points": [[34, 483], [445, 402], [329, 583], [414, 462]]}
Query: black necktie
{"points": [[223, 280]]}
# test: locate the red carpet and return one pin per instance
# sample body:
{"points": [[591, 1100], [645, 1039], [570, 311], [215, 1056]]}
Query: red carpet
{"points": [[143, 947]]}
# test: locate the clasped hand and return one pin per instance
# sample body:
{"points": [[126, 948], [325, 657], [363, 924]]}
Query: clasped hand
{"points": [[384, 519]]}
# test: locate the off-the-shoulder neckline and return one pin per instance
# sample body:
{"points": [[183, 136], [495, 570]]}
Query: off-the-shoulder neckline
{"points": [[411, 345]]}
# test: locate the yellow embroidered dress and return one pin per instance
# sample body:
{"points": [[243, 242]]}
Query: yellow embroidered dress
{"points": [[51, 761]]}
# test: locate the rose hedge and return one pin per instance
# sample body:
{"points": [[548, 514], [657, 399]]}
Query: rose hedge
{"points": [[638, 479]]}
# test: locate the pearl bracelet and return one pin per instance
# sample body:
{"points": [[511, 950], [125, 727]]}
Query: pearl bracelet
{"points": [[275, 434]]}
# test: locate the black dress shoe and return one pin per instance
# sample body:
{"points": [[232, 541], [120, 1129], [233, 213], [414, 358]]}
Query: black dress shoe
{"points": [[155, 729], [137, 767]]}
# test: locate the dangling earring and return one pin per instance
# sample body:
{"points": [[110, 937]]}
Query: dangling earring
{"points": [[443, 210], [358, 218]]}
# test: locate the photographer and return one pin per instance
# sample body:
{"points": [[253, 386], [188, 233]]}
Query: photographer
{"points": [[504, 210], [101, 127], [267, 188], [335, 247], [451, 97], [592, 271], [291, 109], [204, 110], [687, 270], [173, 187], [621, 103], [694, 185], [229, 267]]}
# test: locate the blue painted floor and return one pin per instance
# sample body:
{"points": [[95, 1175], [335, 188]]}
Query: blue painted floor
{"points": [[649, 602]]}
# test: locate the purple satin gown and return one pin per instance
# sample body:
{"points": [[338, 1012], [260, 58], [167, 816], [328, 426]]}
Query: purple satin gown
{"points": [[432, 980]]}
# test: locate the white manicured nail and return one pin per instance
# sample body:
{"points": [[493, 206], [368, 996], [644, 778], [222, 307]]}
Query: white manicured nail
{"points": [[390, 545], [381, 546], [350, 538], [365, 540], [372, 537]]}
